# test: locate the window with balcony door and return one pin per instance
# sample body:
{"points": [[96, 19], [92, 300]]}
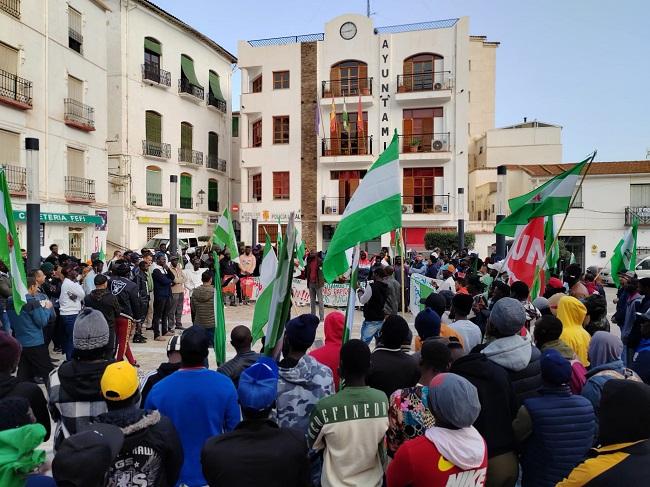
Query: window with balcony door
{"points": [[348, 184], [351, 142], [256, 187], [235, 126], [75, 163], [153, 135], [152, 55], [186, 142], [257, 84], [10, 162], [280, 80], [213, 150], [186, 191], [422, 190], [281, 130], [270, 229], [213, 195], [75, 39], [348, 78], [281, 185], [154, 186], [422, 130], [257, 133], [421, 72]]}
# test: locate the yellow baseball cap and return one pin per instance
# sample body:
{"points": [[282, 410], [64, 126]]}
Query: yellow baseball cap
{"points": [[120, 381]]}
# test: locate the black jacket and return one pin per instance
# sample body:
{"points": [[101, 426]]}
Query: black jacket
{"points": [[373, 310], [528, 381], [102, 300], [153, 378], [497, 397], [257, 453], [152, 453], [391, 370], [12, 387], [140, 280], [126, 293]]}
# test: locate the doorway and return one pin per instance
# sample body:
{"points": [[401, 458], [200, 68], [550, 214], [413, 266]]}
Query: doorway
{"points": [[75, 242]]}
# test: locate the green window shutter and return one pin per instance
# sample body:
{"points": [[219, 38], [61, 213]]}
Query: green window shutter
{"points": [[186, 186], [213, 195], [187, 66], [153, 127], [215, 89], [186, 136], [213, 144], [152, 45], [235, 126]]}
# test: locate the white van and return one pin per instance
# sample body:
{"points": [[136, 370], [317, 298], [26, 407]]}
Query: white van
{"points": [[186, 241]]}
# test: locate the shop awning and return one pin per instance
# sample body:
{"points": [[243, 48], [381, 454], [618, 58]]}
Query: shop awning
{"points": [[187, 66], [78, 218], [214, 86], [153, 46]]}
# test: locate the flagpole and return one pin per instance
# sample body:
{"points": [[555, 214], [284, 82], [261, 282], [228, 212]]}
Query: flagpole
{"points": [[401, 244]]}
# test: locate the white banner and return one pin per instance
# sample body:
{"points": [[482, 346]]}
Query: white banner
{"points": [[421, 287], [334, 295]]}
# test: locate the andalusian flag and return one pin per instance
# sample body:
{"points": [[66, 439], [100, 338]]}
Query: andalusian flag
{"points": [[352, 295], [552, 245], [346, 119], [300, 254], [102, 254], [374, 209], [624, 258], [399, 243], [219, 317], [268, 269], [224, 235], [10, 247], [551, 198]]}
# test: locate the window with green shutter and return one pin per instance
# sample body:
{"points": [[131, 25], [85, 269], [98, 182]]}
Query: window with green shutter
{"points": [[186, 191], [213, 145], [213, 195], [154, 186], [153, 127], [186, 136], [235, 126], [187, 70]]}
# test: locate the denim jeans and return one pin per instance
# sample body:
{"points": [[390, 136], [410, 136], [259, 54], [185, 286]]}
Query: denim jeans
{"points": [[68, 328], [370, 330]]}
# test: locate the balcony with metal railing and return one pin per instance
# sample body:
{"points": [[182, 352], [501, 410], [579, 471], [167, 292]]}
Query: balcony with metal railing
{"points": [[346, 87], [12, 7], [426, 142], [213, 162], [16, 179], [186, 202], [75, 40], [189, 156], [425, 83], [425, 204], [78, 115], [15, 91], [153, 148], [640, 213], [346, 146], [80, 190], [153, 73], [154, 199], [186, 88], [216, 103]]}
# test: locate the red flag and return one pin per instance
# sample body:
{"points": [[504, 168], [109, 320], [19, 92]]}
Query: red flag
{"points": [[527, 254], [360, 127]]}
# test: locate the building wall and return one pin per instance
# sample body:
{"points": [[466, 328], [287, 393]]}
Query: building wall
{"points": [[482, 85], [535, 145], [235, 171]]}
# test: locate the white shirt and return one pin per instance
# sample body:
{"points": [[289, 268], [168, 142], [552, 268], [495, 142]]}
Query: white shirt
{"points": [[67, 304], [193, 278], [448, 285]]}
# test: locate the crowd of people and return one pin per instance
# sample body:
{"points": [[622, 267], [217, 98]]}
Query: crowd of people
{"points": [[487, 388]]}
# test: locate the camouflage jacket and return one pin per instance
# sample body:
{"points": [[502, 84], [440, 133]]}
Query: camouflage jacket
{"points": [[299, 389]]}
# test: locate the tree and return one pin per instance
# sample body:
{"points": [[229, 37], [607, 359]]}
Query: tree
{"points": [[446, 241]]}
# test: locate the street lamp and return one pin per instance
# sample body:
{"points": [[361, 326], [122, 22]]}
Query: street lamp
{"points": [[460, 207], [501, 209], [33, 207], [173, 217]]}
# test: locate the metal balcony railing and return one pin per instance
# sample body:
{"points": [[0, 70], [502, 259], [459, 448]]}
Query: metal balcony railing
{"points": [[186, 202], [333, 205], [156, 149], [641, 213], [79, 189], [184, 86], [430, 81], [190, 156], [425, 204], [431, 142], [213, 162], [80, 115], [154, 199], [16, 179], [346, 87], [15, 88], [12, 7], [218, 104], [347, 146], [152, 72]]}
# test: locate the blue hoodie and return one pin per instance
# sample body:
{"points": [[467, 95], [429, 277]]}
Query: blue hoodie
{"points": [[28, 325]]}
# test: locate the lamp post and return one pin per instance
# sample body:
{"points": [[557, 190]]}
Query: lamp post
{"points": [[173, 217], [501, 209], [33, 207], [460, 206]]}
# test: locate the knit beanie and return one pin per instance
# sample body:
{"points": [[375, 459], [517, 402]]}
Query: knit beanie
{"points": [[90, 330], [454, 400], [507, 316], [556, 370], [427, 323]]}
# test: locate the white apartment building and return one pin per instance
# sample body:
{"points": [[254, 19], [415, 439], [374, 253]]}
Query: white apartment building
{"points": [[430, 82], [170, 115], [235, 172], [53, 88]]}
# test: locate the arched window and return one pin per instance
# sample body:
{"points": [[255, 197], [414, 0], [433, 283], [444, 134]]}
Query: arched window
{"points": [[213, 195], [213, 149], [186, 191], [349, 78], [185, 150], [154, 186], [422, 72]]}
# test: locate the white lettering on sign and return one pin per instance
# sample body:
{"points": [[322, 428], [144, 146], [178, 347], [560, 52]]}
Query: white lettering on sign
{"points": [[384, 93]]}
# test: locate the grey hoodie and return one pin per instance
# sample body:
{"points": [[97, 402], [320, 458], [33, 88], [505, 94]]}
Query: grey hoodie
{"points": [[512, 353]]}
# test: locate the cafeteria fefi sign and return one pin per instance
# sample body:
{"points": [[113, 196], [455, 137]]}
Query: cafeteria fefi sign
{"points": [[79, 218]]}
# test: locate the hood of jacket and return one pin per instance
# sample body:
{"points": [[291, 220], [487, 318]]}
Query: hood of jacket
{"points": [[512, 353], [7, 384], [18, 453], [473, 365], [334, 324], [98, 294], [203, 294], [616, 365], [81, 379], [306, 373], [561, 347], [168, 368], [130, 420], [463, 447], [571, 312]]}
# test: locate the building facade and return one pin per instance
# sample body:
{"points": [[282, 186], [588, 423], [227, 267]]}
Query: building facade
{"points": [[170, 115], [53, 87], [317, 110]]}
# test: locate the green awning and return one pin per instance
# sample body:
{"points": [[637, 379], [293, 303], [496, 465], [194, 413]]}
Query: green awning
{"points": [[21, 216], [153, 46], [214, 86], [187, 66]]}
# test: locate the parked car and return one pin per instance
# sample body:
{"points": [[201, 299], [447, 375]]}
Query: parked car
{"points": [[186, 241], [643, 268]]}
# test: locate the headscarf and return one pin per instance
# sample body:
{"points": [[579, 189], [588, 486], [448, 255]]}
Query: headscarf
{"points": [[604, 348]]}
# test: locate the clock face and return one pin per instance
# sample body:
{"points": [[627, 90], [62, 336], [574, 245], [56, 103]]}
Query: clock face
{"points": [[348, 30]]}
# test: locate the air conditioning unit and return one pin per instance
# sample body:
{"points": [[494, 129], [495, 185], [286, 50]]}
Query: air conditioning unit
{"points": [[445, 209], [437, 145], [437, 209], [437, 86], [407, 208], [329, 210]]}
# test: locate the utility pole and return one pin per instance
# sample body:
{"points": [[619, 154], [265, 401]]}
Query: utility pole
{"points": [[368, 8]]}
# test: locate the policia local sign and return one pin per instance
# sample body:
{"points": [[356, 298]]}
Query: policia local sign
{"points": [[78, 218]]}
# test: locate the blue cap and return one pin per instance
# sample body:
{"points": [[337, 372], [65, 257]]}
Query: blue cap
{"points": [[301, 330], [258, 385]]}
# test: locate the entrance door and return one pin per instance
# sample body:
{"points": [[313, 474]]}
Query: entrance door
{"points": [[577, 246], [75, 242]]}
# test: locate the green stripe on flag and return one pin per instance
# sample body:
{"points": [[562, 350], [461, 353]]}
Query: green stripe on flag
{"points": [[10, 247], [224, 235], [219, 316], [624, 257]]}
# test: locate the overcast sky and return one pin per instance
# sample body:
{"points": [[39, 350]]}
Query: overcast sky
{"points": [[582, 64]]}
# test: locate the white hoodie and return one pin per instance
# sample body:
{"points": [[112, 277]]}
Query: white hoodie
{"points": [[464, 447]]}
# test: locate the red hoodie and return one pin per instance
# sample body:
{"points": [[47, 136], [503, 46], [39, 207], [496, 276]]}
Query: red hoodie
{"points": [[329, 353]]}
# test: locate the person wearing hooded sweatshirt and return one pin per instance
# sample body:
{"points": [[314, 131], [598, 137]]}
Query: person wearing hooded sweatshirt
{"points": [[605, 352], [127, 294], [571, 313], [101, 299], [547, 337], [555, 430], [510, 350], [74, 393], [623, 455], [632, 306], [302, 380], [151, 453], [329, 354], [452, 452]]}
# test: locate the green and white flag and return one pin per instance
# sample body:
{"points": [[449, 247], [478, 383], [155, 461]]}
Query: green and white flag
{"points": [[624, 258], [10, 247], [551, 198], [300, 254], [572, 259], [352, 295], [345, 117], [219, 316], [374, 209], [268, 269], [224, 235], [552, 245]]}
